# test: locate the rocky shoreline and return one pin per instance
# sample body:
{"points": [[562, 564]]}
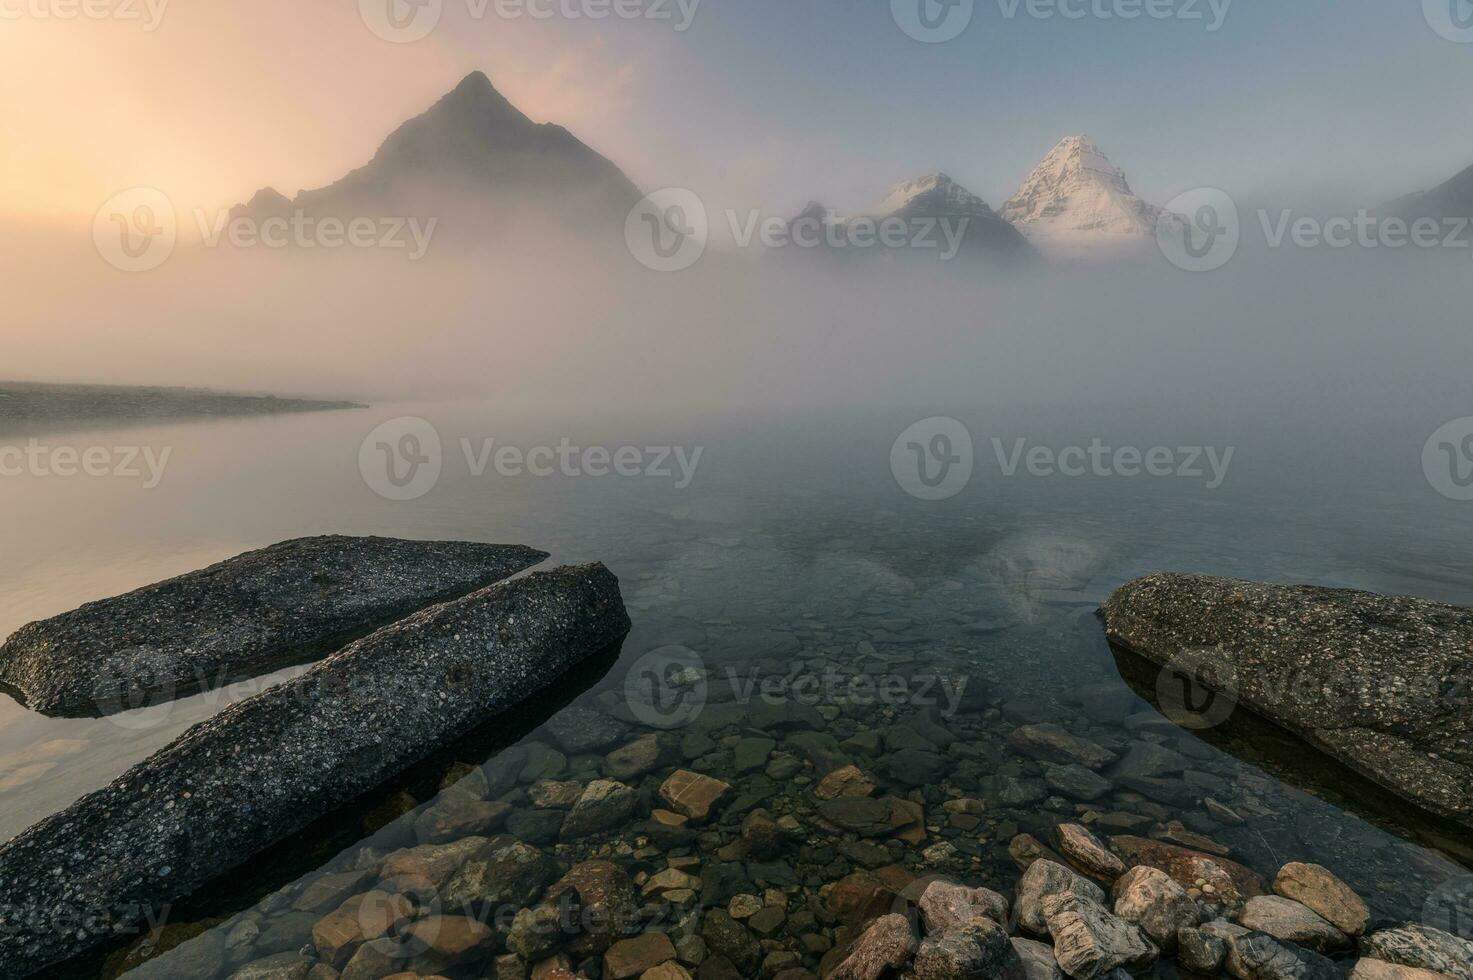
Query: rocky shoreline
{"points": [[268, 766], [239, 618], [1382, 684]]}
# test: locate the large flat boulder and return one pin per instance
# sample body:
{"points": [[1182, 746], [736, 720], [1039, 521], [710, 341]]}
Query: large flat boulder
{"points": [[1381, 683], [242, 617], [267, 767]]}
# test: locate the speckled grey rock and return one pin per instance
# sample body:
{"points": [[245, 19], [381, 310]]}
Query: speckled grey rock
{"points": [[1380, 683], [242, 617], [1200, 952], [268, 766], [1259, 956], [1422, 947], [977, 949], [1037, 959]]}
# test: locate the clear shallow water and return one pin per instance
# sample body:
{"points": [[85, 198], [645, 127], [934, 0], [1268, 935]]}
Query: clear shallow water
{"points": [[793, 553]]}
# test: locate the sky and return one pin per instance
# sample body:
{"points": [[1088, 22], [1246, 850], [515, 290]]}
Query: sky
{"points": [[1316, 104]]}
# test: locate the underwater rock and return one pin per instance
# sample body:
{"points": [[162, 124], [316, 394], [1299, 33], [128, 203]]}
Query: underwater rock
{"points": [[886, 945], [978, 947]]}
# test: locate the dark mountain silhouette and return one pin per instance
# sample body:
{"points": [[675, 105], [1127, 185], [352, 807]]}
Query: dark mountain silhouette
{"points": [[1453, 199], [472, 154]]}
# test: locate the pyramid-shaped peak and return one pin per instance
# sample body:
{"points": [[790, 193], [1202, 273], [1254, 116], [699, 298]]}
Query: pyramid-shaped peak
{"points": [[476, 80], [1078, 196], [475, 94], [1082, 142]]}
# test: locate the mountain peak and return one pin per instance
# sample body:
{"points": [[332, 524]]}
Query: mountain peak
{"points": [[1077, 197], [935, 194], [1078, 144], [476, 80], [474, 147], [475, 103]]}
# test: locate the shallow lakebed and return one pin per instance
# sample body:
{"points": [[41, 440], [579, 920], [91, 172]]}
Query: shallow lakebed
{"points": [[794, 611]]}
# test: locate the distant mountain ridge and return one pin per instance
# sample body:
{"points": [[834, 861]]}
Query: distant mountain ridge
{"points": [[1453, 199], [472, 146], [939, 200], [474, 159]]}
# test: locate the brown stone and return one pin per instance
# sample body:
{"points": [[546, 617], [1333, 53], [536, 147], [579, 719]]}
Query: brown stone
{"points": [[944, 904], [434, 863], [552, 794], [455, 816], [1369, 969], [1176, 832], [887, 945], [1149, 898], [449, 936], [1088, 853], [1318, 889], [693, 794], [1024, 849], [607, 902], [330, 891], [849, 782], [631, 957], [556, 967], [860, 896], [1286, 919], [1231, 882], [361, 919]]}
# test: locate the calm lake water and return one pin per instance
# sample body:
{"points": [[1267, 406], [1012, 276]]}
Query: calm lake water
{"points": [[792, 552]]}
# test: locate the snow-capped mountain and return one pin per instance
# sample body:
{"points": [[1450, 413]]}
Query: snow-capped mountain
{"points": [[935, 206], [470, 153], [1077, 201]]}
